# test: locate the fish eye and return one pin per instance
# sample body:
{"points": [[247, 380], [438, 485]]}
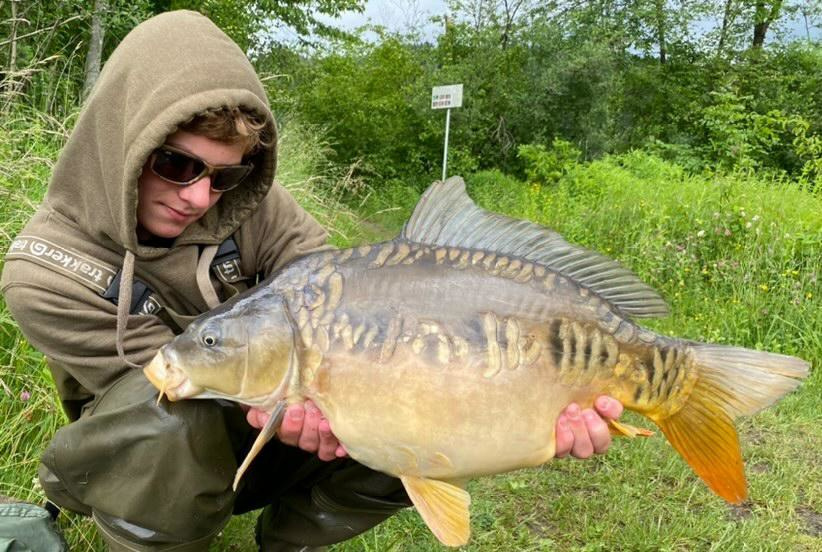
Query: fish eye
{"points": [[209, 340]]}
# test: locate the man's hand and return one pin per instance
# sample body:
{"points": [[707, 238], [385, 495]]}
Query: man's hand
{"points": [[303, 426], [585, 432]]}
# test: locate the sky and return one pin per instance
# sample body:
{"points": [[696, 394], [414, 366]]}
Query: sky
{"points": [[397, 15]]}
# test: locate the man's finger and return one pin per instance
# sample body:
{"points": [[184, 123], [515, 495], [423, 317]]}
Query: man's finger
{"points": [[256, 418], [564, 438], [328, 442], [583, 448], [597, 431], [309, 438], [292, 425], [608, 407]]}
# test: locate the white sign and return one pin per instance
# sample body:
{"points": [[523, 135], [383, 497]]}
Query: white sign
{"points": [[446, 97]]}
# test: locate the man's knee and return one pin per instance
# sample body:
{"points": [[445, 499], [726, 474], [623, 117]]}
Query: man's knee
{"points": [[166, 469]]}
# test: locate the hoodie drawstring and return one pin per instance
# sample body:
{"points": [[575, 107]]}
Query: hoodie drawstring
{"points": [[204, 276], [124, 305]]}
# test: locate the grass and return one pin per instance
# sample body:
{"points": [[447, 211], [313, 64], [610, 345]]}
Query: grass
{"points": [[727, 281]]}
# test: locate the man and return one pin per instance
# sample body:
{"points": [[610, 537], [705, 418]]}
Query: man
{"points": [[161, 206]]}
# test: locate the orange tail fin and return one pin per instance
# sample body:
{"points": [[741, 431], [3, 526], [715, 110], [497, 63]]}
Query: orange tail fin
{"points": [[731, 382]]}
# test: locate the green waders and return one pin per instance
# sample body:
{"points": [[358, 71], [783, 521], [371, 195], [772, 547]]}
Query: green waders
{"points": [[158, 477]]}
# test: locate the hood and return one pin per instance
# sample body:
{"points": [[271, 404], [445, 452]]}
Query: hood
{"points": [[165, 71]]}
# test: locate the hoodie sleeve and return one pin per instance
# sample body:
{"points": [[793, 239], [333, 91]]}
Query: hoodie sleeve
{"points": [[278, 232], [75, 328]]}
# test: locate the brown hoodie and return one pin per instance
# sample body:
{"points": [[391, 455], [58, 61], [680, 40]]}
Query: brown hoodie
{"points": [[167, 70]]}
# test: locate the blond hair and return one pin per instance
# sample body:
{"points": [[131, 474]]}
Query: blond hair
{"points": [[232, 125]]}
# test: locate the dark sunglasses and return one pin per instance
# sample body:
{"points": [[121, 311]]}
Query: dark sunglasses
{"points": [[181, 168]]}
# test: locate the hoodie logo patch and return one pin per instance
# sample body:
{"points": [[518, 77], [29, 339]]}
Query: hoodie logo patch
{"points": [[64, 260]]}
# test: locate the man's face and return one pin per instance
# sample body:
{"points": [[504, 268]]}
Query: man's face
{"points": [[165, 209]]}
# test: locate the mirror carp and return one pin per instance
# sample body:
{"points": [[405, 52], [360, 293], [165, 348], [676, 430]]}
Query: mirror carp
{"points": [[449, 352]]}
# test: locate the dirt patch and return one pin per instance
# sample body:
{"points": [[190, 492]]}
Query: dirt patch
{"points": [[811, 519], [740, 512], [760, 467], [752, 435], [541, 528]]}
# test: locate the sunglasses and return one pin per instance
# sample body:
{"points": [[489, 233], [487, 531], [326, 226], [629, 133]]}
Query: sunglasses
{"points": [[181, 168]]}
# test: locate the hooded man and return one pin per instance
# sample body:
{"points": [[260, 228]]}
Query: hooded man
{"points": [[161, 206]]}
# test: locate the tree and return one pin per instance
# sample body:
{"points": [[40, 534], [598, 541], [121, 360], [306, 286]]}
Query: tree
{"points": [[765, 13], [94, 57], [249, 22]]}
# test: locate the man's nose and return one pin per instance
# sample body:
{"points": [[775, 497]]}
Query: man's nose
{"points": [[198, 195]]}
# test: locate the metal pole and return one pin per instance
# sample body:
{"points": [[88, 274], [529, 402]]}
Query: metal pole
{"points": [[445, 152]]}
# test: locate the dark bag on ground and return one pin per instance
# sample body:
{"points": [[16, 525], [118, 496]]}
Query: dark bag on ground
{"points": [[28, 528]]}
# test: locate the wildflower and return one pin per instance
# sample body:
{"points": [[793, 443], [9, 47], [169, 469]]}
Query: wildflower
{"points": [[764, 287], [809, 295], [700, 233], [24, 396]]}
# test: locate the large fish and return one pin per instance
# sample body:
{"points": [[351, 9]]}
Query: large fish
{"points": [[449, 352]]}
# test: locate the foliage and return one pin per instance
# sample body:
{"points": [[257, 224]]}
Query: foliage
{"points": [[366, 97], [47, 43], [544, 166], [249, 22], [536, 76]]}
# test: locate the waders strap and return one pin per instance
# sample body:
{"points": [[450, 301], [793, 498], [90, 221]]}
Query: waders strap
{"points": [[143, 300], [226, 263]]}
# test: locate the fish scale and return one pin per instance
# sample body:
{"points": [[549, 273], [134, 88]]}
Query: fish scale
{"points": [[449, 353]]}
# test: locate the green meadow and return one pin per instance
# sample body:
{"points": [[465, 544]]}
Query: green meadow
{"points": [[737, 255]]}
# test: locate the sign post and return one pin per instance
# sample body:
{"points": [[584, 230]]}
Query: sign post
{"points": [[446, 97]]}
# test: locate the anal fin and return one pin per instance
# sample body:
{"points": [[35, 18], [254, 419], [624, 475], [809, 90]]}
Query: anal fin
{"points": [[443, 507], [268, 431], [626, 430]]}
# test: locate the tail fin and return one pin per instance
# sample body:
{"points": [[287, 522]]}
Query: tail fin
{"points": [[732, 382]]}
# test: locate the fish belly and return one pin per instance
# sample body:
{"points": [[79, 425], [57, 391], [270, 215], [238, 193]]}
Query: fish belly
{"points": [[444, 422]]}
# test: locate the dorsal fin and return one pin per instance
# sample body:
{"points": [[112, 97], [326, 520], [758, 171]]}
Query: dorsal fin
{"points": [[446, 216]]}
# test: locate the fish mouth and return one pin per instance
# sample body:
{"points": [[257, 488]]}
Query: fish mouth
{"points": [[172, 382]]}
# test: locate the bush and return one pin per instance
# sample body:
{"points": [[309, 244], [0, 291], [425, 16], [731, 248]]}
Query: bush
{"points": [[547, 166]]}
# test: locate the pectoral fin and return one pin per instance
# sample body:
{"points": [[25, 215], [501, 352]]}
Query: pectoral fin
{"points": [[619, 428], [268, 431], [443, 507]]}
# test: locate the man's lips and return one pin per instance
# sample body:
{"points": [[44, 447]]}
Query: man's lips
{"points": [[179, 215]]}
